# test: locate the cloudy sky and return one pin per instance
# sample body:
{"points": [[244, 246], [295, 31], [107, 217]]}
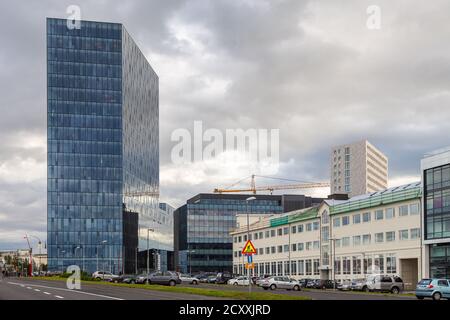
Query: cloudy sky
{"points": [[312, 69]]}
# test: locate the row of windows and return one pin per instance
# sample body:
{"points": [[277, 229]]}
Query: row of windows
{"points": [[84, 108], [84, 56], [84, 199], [84, 186], [84, 212], [84, 147], [83, 82], [84, 43], [349, 265], [85, 134], [389, 213], [85, 95], [84, 173], [84, 69], [84, 121], [79, 227], [87, 160], [235, 207], [313, 226]]}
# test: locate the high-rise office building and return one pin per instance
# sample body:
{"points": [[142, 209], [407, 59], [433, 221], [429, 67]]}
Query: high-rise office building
{"points": [[103, 147], [202, 226], [435, 167], [358, 168]]}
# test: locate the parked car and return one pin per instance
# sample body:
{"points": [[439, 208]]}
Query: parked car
{"points": [[259, 280], [164, 278], [125, 278], [433, 288], [304, 282], [345, 285], [358, 284], [323, 284], [186, 278], [105, 276], [311, 283], [239, 281], [384, 283], [223, 277], [274, 283], [211, 279]]}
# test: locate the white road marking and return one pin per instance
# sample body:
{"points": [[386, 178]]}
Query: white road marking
{"points": [[59, 297], [37, 290], [47, 293], [29, 288], [68, 290]]}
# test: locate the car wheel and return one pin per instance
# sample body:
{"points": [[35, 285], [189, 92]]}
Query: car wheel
{"points": [[172, 283], [420, 298], [235, 284], [296, 288], [132, 282], [437, 296], [395, 290], [366, 289], [195, 282], [273, 287]]}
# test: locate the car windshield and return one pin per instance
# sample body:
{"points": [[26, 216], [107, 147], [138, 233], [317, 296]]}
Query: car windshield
{"points": [[425, 282]]}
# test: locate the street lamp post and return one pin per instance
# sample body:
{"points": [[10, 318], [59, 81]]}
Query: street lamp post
{"points": [[190, 261], [333, 254], [82, 255], [148, 248], [248, 238], [101, 243]]}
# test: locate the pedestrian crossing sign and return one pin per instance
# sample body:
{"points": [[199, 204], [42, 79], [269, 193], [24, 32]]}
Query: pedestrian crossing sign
{"points": [[249, 248]]}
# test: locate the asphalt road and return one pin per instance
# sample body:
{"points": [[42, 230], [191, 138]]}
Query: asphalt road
{"points": [[25, 289]]}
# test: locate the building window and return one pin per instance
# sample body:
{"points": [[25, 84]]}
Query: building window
{"points": [[403, 234], [240, 238], [286, 230], [346, 265], [267, 250], [267, 267], [346, 241], [367, 239], [391, 264], [403, 210], [325, 233], [325, 217], [280, 249], [274, 268], [379, 237], [356, 240], [308, 245], [390, 213], [379, 215], [301, 246], [245, 238], [308, 227], [261, 235], [280, 268], [286, 248], [336, 222], [415, 233], [287, 269], [272, 233], [356, 218], [273, 249], [414, 209], [294, 247], [300, 228], [294, 268], [366, 217], [280, 232], [345, 220], [356, 265], [294, 229], [316, 267], [379, 262], [301, 267], [337, 266], [316, 245], [390, 236], [316, 225], [235, 239]]}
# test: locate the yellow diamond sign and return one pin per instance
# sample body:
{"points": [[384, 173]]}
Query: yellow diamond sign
{"points": [[249, 248]]}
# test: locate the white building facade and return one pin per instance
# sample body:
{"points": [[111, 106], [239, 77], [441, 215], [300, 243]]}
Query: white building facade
{"points": [[358, 168], [377, 232]]}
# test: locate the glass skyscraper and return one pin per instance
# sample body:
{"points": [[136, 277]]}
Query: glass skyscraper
{"points": [[103, 147]]}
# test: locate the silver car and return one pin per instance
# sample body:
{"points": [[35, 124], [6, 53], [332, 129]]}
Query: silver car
{"points": [[280, 282], [384, 283]]}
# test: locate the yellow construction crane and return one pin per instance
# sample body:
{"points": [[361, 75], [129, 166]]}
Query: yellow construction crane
{"points": [[253, 188]]}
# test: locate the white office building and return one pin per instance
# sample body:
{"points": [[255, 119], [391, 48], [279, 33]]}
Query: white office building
{"points": [[376, 232]]}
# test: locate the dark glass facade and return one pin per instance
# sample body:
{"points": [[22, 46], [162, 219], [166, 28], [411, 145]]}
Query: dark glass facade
{"points": [[103, 158], [202, 227]]}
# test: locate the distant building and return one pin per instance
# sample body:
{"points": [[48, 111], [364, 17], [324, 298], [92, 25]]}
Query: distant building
{"points": [[358, 168], [203, 224], [435, 168]]}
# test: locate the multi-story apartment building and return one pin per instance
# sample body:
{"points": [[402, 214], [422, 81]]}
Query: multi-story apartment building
{"points": [[202, 226], [103, 146], [341, 239], [435, 168], [357, 169]]}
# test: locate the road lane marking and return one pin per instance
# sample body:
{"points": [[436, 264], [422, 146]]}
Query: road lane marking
{"points": [[68, 290], [29, 288], [37, 290], [59, 297], [47, 293]]}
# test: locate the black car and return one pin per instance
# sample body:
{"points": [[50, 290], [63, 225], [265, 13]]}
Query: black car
{"points": [[223, 277], [126, 278], [323, 284]]}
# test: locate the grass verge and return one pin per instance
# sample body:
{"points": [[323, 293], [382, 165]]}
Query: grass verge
{"points": [[226, 294]]}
